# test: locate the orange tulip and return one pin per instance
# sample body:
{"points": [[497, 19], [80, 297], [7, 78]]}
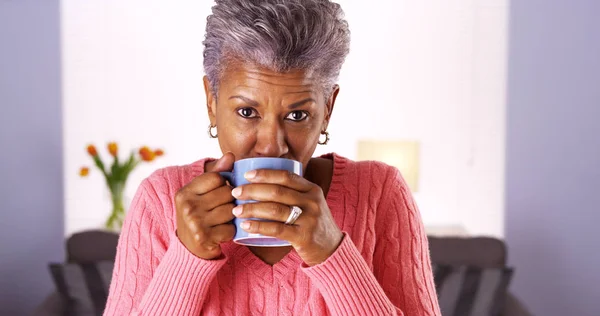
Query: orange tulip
{"points": [[91, 149], [144, 151], [113, 149], [84, 171], [147, 154], [159, 152]]}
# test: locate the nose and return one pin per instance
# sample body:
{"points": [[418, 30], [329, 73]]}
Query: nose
{"points": [[271, 139]]}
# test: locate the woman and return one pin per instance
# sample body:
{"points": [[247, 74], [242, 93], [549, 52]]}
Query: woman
{"points": [[358, 248]]}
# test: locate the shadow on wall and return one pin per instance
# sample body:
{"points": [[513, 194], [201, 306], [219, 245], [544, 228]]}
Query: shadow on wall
{"points": [[553, 150], [31, 195]]}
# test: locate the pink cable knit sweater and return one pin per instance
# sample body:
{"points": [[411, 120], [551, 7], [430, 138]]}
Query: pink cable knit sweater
{"points": [[382, 266]]}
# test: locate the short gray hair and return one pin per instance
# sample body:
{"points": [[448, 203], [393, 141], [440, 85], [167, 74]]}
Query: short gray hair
{"points": [[280, 35]]}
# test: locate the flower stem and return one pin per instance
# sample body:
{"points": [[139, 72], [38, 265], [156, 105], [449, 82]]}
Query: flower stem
{"points": [[115, 220]]}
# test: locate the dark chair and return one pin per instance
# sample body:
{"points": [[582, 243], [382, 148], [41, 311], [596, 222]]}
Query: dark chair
{"points": [[95, 245], [84, 247], [483, 252]]}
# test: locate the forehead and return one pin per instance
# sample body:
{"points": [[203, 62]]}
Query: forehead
{"points": [[247, 76]]}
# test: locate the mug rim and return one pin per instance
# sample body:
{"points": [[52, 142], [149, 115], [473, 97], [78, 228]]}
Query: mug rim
{"points": [[267, 158]]}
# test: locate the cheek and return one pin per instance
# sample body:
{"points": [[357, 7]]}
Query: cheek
{"points": [[239, 143], [303, 143], [236, 139]]}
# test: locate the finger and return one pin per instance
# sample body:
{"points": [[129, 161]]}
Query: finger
{"points": [[272, 229], [205, 183], [212, 180], [220, 215], [263, 210], [280, 177], [222, 233], [215, 198], [269, 193], [225, 163]]}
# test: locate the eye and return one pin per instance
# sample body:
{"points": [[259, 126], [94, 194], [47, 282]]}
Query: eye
{"points": [[297, 116], [247, 112]]}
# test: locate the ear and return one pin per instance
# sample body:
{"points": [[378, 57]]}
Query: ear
{"points": [[211, 102], [329, 106]]}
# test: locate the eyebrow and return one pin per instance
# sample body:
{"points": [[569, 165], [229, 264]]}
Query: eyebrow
{"points": [[253, 103], [249, 101], [301, 103]]}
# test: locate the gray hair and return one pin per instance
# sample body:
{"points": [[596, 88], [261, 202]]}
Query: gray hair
{"points": [[280, 35]]}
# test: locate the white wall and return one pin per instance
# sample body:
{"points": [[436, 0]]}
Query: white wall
{"points": [[432, 71]]}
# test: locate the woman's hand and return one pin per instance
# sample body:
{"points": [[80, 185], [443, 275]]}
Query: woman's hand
{"points": [[204, 212], [314, 235]]}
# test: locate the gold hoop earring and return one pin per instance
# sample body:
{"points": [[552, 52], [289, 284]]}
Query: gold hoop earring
{"points": [[210, 131], [326, 133]]}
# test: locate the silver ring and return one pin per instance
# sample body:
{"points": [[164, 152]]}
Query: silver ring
{"points": [[294, 214]]}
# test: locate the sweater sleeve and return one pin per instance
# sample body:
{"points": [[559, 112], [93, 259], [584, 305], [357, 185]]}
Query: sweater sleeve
{"points": [[402, 280], [348, 285], [401, 260], [154, 274]]}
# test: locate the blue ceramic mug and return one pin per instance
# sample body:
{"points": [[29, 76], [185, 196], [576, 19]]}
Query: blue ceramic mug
{"points": [[236, 178]]}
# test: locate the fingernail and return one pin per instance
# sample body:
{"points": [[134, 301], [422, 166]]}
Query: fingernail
{"points": [[245, 225], [250, 174], [236, 192], [237, 211]]}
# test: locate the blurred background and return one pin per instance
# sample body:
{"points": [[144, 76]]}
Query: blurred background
{"points": [[489, 107]]}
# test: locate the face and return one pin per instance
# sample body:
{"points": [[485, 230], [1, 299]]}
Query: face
{"points": [[261, 113]]}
